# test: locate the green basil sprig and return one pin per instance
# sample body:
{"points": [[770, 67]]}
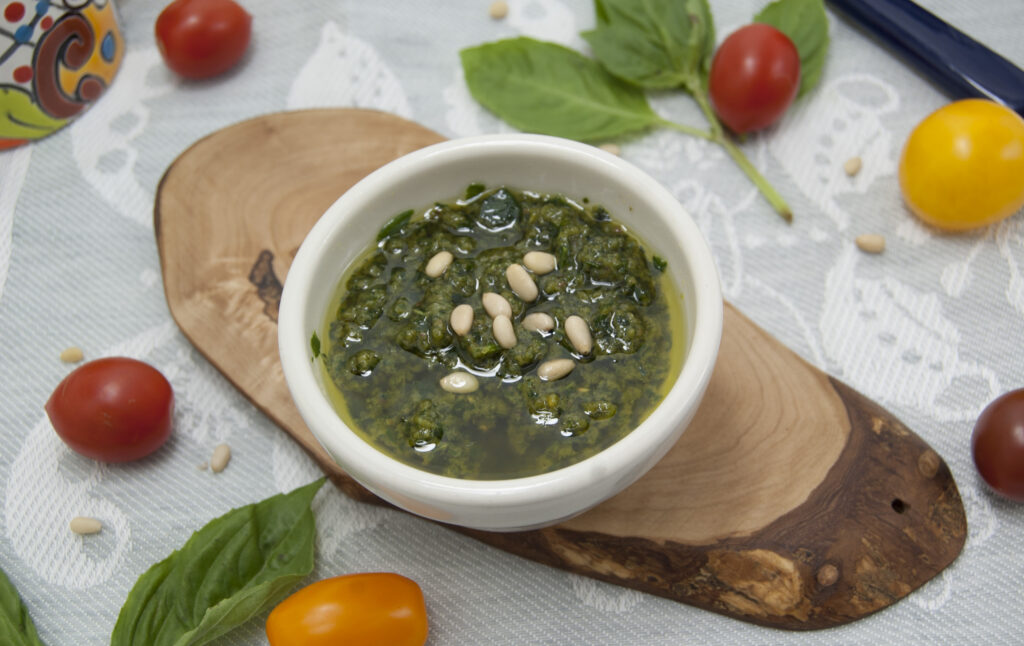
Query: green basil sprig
{"points": [[654, 44], [550, 89], [230, 570], [16, 627], [805, 23], [638, 45]]}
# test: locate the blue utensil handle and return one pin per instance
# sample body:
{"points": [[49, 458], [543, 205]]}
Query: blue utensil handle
{"points": [[955, 61]]}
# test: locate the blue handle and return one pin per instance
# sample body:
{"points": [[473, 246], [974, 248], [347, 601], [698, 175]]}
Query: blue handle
{"points": [[961, 65]]}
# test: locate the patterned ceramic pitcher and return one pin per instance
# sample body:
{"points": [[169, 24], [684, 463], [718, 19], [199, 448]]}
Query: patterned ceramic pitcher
{"points": [[56, 58]]}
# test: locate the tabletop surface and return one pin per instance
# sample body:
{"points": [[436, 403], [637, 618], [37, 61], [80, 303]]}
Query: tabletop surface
{"points": [[930, 329]]}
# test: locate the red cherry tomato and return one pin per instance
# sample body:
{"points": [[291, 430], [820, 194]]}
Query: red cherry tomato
{"points": [[998, 445], [113, 409], [199, 39], [754, 77]]}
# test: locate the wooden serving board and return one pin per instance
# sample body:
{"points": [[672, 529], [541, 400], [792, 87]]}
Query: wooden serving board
{"points": [[791, 501]]}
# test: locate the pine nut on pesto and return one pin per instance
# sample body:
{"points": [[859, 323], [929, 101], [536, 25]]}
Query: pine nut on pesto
{"points": [[496, 305], [539, 262], [579, 334], [503, 332], [461, 319], [604, 308], [521, 282], [538, 322]]}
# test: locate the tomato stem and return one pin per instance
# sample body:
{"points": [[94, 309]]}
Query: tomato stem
{"points": [[719, 135]]}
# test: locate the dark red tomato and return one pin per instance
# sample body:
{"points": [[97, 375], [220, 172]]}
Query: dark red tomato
{"points": [[199, 39], [113, 409], [754, 77], [998, 444]]}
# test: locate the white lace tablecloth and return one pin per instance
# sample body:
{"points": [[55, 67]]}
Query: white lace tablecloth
{"points": [[932, 329]]}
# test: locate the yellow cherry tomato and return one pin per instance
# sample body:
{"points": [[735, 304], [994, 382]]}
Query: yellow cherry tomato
{"points": [[369, 609], [963, 166]]}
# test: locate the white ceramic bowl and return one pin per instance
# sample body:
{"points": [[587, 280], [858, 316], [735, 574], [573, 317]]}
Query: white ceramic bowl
{"points": [[440, 172]]}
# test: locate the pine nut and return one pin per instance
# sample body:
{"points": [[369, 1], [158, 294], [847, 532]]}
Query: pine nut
{"points": [[521, 283], [220, 458], [555, 369], [504, 333], [611, 148], [579, 334], [72, 354], [438, 264], [852, 166], [459, 382], [84, 525], [461, 319], [538, 322], [539, 262], [496, 305], [499, 9], [871, 243]]}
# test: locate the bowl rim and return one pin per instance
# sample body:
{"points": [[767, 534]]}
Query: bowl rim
{"points": [[360, 457]]}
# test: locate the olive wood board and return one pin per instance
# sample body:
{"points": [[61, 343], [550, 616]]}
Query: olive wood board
{"points": [[791, 500]]}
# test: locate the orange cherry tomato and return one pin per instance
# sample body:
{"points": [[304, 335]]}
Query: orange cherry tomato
{"points": [[369, 609], [963, 166]]}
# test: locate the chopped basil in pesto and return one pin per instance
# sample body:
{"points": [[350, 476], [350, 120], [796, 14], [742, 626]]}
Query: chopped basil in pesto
{"points": [[389, 341]]}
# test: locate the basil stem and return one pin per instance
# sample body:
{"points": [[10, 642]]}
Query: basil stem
{"points": [[719, 135]]}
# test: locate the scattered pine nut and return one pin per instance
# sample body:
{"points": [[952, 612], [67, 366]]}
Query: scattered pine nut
{"points": [[503, 331], [611, 148], [496, 305], [579, 334], [539, 262], [459, 382], [203, 466], [438, 264], [499, 9], [461, 319], [871, 243], [71, 354], [555, 369], [82, 525], [538, 322], [852, 166], [521, 283], [220, 458]]}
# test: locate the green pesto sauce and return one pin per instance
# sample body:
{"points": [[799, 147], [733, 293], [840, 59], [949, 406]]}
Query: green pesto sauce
{"points": [[388, 341]]}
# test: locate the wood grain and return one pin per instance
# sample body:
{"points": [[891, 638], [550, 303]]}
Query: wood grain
{"points": [[791, 500]]}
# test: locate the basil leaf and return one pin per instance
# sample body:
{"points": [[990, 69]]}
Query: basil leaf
{"points": [[394, 225], [16, 627], [474, 189], [228, 571], [655, 44], [314, 345], [806, 24], [546, 88]]}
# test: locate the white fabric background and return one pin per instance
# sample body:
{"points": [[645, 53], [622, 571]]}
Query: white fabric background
{"points": [[931, 329]]}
